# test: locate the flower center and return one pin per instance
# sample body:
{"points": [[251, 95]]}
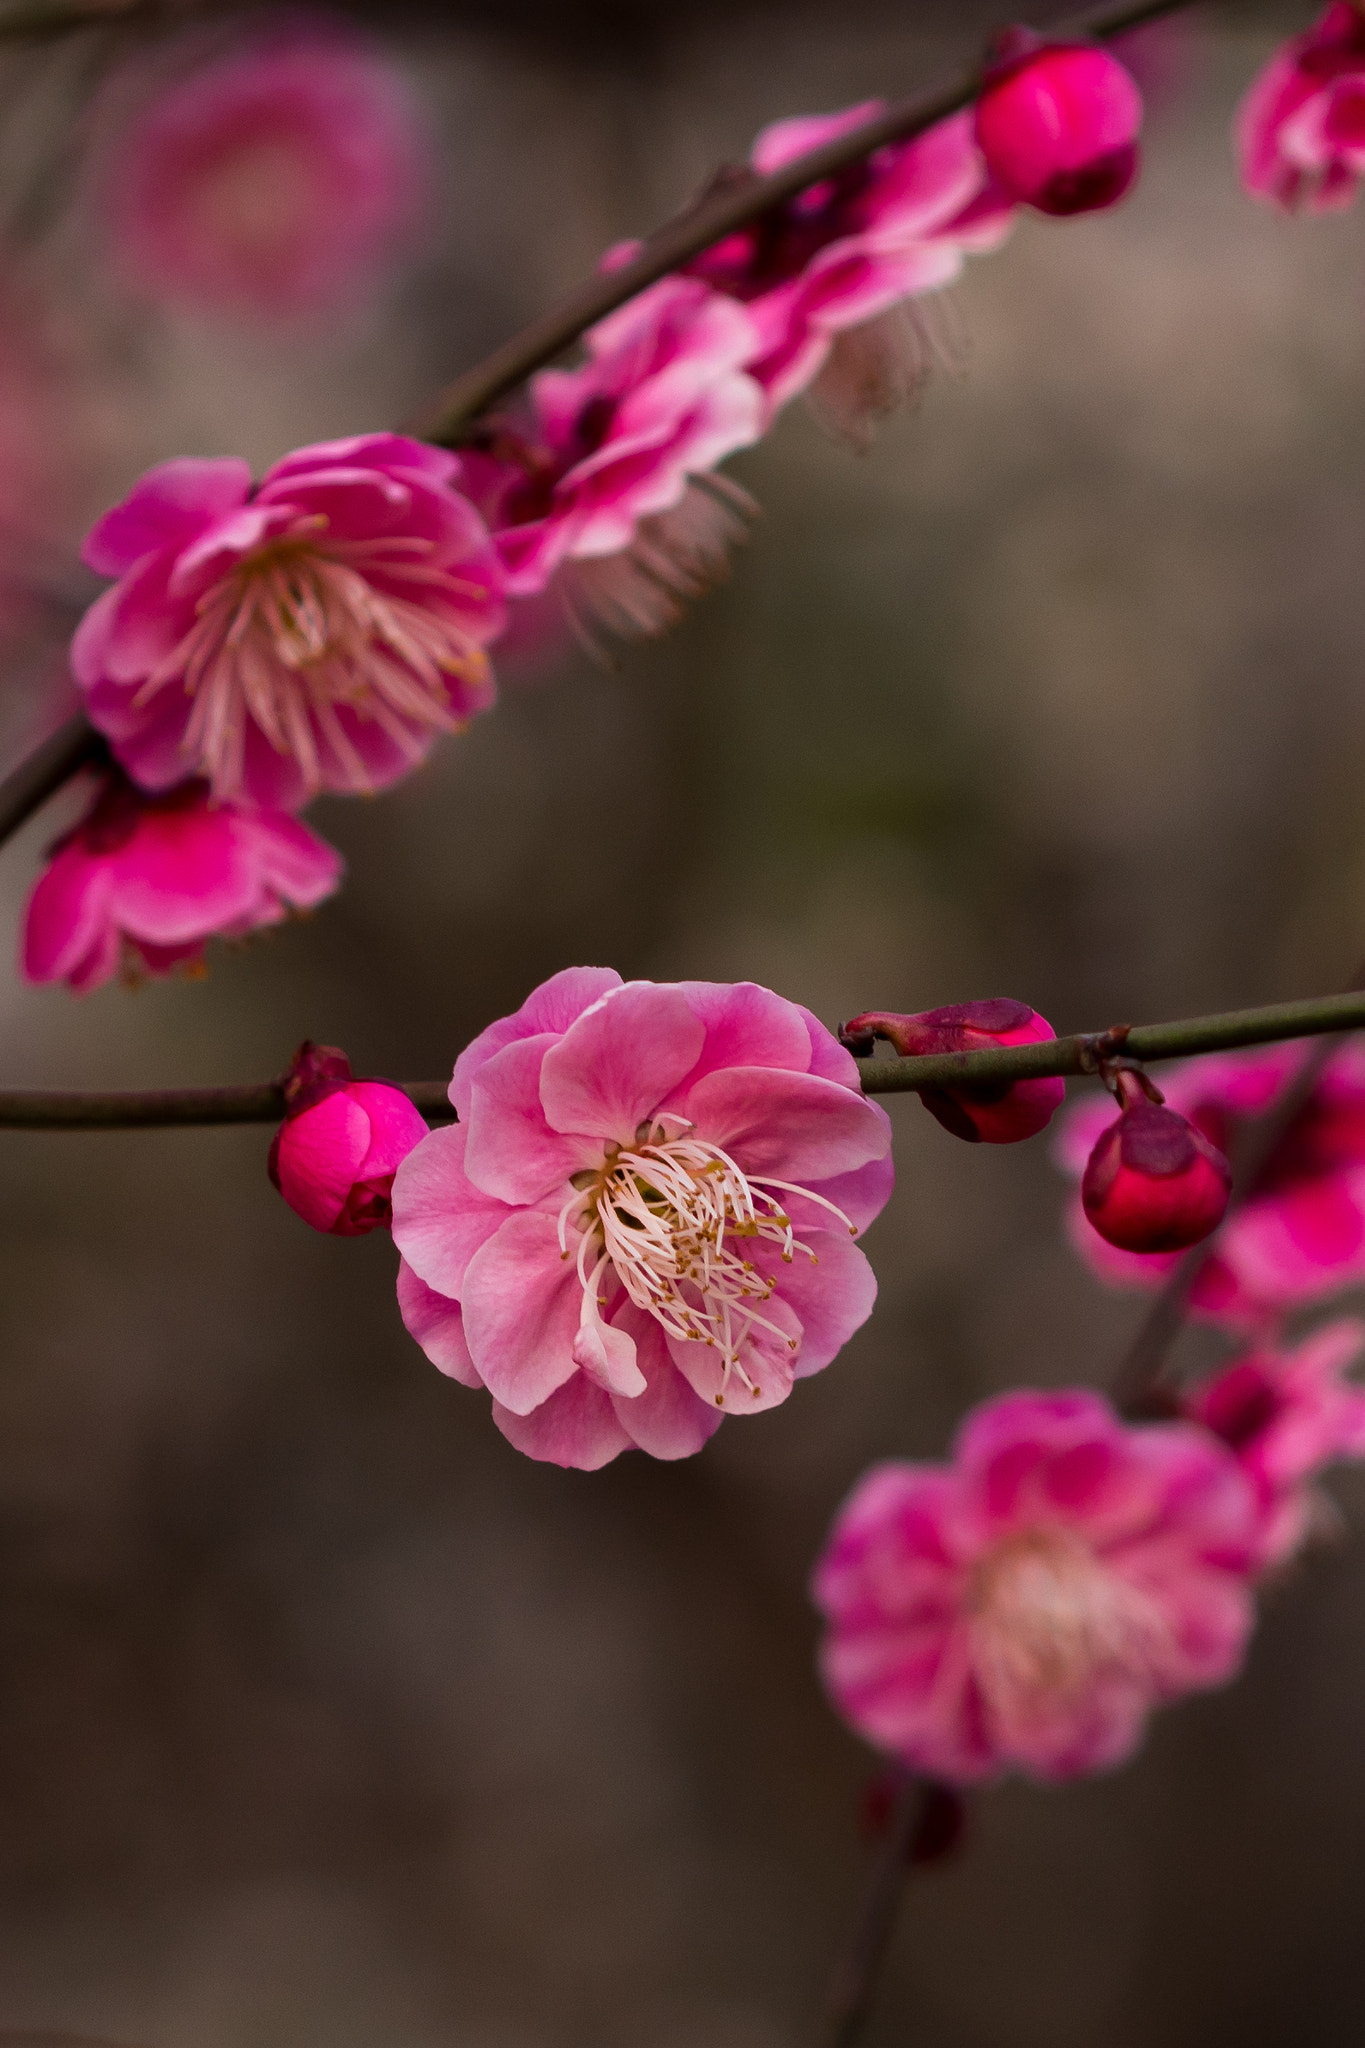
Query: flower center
{"points": [[1049, 1619], [296, 632], [674, 1216]]}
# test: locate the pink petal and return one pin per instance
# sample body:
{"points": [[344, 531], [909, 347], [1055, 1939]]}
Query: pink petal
{"points": [[831, 1298], [440, 1218], [521, 1299], [67, 911], [438, 1326], [553, 1007], [320, 1156], [512, 1151], [792, 1126], [575, 1427], [668, 1419], [396, 1125], [767, 1356], [613, 1068], [166, 508], [746, 1026]]}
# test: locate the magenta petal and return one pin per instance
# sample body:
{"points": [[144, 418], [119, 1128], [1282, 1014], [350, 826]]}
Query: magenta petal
{"points": [[438, 1326], [575, 1427], [320, 1155], [167, 507], [512, 1151], [66, 912], [613, 1068], [668, 1419], [440, 1218], [396, 1126], [521, 1299], [793, 1126]]}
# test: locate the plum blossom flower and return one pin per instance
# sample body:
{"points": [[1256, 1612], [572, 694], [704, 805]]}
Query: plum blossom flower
{"points": [[142, 881], [609, 474], [342, 1140], [996, 1114], [1026, 1605], [269, 182], [1299, 1235], [1286, 1414], [1300, 131], [644, 1219], [1058, 124], [827, 277], [315, 632]]}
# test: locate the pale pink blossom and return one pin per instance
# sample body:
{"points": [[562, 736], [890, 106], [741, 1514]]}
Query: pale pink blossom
{"points": [[608, 473], [315, 632], [829, 277], [1300, 131], [269, 182], [644, 1219], [1287, 1413], [342, 1140], [1025, 1606], [1299, 1237], [1058, 124], [140, 884]]}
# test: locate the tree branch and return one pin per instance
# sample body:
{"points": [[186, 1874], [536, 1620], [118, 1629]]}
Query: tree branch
{"points": [[74, 745]]}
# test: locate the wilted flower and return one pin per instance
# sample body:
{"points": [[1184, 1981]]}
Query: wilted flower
{"points": [[268, 182], [143, 881], [1154, 1182], [1058, 124], [609, 475], [314, 633], [334, 1156], [1027, 1605], [1286, 1414], [643, 1220], [999, 1113], [1298, 1235], [1300, 130]]}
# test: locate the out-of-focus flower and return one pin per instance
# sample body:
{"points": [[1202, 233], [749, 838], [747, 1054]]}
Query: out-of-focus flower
{"points": [[828, 277], [314, 633], [143, 881], [1058, 124], [610, 474], [270, 182], [1027, 1605], [1299, 1235], [999, 1114], [1286, 1414], [334, 1156], [1300, 131], [1154, 1182], [643, 1220]]}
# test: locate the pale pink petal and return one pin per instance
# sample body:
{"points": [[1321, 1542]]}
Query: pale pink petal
{"points": [[576, 1426], [832, 1297], [521, 1299], [619, 1061], [746, 1026], [512, 1152], [793, 1126], [437, 1324], [440, 1218], [668, 1420], [553, 1007]]}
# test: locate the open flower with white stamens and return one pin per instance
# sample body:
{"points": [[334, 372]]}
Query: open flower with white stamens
{"points": [[644, 1220], [316, 632]]}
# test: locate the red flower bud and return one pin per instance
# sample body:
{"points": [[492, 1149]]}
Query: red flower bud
{"points": [[342, 1140], [1154, 1183], [1057, 124], [995, 1113]]}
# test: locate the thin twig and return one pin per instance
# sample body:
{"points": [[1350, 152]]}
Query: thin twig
{"points": [[856, 1972], [74, 745]]}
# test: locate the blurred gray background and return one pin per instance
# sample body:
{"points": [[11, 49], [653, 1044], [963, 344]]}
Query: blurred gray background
{"points": [[326, 1720]]}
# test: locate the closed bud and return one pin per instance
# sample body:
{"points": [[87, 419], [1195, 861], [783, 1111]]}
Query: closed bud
{"points": [[1058, 123], [994, 1113], [1154, 1183], [342, 1140]]}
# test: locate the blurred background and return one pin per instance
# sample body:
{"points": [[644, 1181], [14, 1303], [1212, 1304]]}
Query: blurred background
{"points": [[327, 1720]]}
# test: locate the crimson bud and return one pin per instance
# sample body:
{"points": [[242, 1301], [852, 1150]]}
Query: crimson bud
{"points": [[1058, 123], [996, 1113], [1154, 1183], [342, 1140]]}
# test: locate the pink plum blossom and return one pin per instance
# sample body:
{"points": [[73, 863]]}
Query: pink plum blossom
{"points": [[996, 1114], [342, 1140], [268, 182], [1026, 1605], [1286, 1414], [143, 881], [1057, 124], [608, 475], [1300, 131], [315, 632], [1299, 1236], [644, 1219]]}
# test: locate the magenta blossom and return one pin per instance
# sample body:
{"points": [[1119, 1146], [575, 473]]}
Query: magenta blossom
{"points": [[997, 1113], [316, 632], [143, 881], [601, 478], [1154, 1182], [1299, 1236], [1300, 130], [342, 1140], [1026, 1606], [1058, 124], [643, 1220], [1286, 1414], [268, 182]]}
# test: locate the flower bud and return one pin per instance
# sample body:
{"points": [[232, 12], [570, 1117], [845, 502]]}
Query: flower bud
{"points": [[1154, 1183], [342, 1140], [996, 1113], [1057, 124]]}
